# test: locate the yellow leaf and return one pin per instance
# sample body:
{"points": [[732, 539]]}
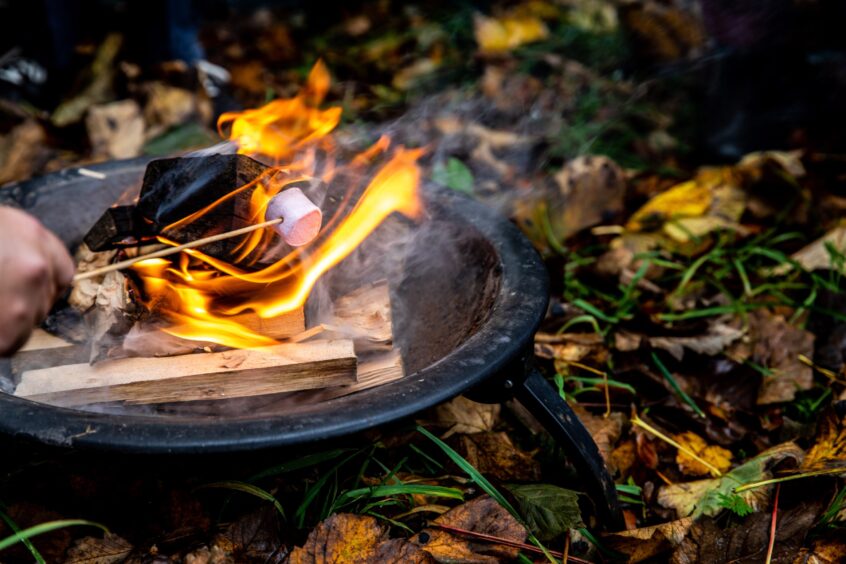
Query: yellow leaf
{"points": [[500, 35], [717, 456], [829, 451]]}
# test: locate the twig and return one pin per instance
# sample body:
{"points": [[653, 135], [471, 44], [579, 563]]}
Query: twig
{"points": [[773, 524], [173, 250], [505, 542]]}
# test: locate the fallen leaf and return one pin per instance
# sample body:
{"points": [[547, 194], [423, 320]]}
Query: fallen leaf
{"points": [[829, 450], [344, 538], [115, 130], [21, 151], [606, 431], [206, 555], [622, 458], [715, 341], [549, 510], [647, 542], [480, 515], [168, 107], [253, 538], [92, 550], [500, 35], [688, 211], [591, 190], [495, 455], [702, 497], [777, 345], [822, 551], [571, 347], [747, 541], [818, 255], [717, 456], [462, 415]]}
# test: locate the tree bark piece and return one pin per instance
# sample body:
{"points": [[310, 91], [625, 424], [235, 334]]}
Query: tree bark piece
{"points": [[223, 375]]}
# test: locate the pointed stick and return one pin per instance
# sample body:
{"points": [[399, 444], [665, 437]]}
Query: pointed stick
{"points": [[173, 250]]}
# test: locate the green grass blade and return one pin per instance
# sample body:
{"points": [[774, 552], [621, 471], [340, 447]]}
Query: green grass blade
{"points": [[675, 385], [483, 483], [300, 463], [27, 534], [15, 529], [400, 489], [251, 489]]}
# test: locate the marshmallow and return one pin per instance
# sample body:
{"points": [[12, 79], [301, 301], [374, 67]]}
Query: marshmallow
{"points": [[301, 219]]}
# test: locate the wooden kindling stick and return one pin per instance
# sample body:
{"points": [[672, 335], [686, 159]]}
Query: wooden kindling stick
{"points": [[173, 250]]}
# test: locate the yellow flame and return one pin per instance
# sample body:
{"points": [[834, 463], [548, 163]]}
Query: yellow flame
{"points": [[203, 296]]}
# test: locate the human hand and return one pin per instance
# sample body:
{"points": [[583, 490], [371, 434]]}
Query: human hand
{"points": [[35, 268]]}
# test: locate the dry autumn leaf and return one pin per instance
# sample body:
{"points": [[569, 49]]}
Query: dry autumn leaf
{"points": [[777, 345], [717, 456], [462, 415], [355, 539], [606, 431], [704, 497], [495, 455], [688, 211], [500, 35], [647, 542], [829, 451], [481, 515], [110, 549]]}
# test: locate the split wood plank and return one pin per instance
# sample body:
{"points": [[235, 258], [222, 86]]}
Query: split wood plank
{"points": [[223, 375], [43, 350]]}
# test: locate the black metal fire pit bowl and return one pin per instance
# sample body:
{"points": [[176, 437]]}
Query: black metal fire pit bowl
{"points": [[473, 334]]}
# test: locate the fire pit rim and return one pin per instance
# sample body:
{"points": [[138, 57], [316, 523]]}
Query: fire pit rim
{"points": [[504, 339]]}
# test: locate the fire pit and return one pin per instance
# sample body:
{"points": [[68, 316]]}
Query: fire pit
{"points": [[221, 334]]}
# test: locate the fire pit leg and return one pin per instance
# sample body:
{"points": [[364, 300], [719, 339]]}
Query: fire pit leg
{"points": [[543, 401]]}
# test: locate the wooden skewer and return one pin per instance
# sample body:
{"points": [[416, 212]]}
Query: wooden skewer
{"points": [[173, 250]]}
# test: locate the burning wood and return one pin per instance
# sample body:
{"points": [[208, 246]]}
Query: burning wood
{"points": [[224, 375], [239, 285]]}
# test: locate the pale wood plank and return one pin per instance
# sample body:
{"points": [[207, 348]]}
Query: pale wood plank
{"points": [[228, 374]]}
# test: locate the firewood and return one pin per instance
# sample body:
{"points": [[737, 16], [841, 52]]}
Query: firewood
{"points": [[366, 313], [148, 339], [223, 375], [43, 350], [175, 188], [117, 224]]}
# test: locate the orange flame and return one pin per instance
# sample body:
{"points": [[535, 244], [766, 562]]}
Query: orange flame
{"points": [[206, 298]]}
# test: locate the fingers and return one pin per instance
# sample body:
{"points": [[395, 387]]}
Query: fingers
{"points": [[62, 264]]}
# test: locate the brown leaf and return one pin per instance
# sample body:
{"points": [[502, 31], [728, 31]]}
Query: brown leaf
{"points": [[746, 542], [776, 344], [648, 542], [717, 456], [591, 190], [92, 550], [206, 555], [168, 106], [116, 130], [494, 455], [402, 551], [253, 538], [829, 451], [623, 458], [481, 515], [605, 431], [823, 551], [342, 538], [462, 415], [21, 150], [717, 338]]}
